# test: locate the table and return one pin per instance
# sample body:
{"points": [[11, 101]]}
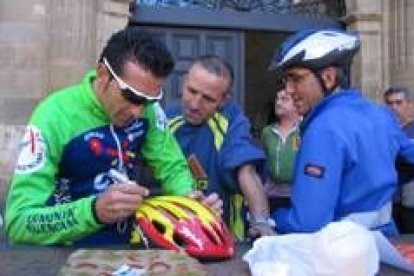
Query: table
{"points": [[48, 260]]}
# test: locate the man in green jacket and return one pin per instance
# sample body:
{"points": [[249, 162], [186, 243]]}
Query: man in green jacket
{"points": [[281, 142], [62, 191]]}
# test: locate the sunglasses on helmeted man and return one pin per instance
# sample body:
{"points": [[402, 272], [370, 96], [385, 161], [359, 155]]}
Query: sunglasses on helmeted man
{"points": [[129, 93]]}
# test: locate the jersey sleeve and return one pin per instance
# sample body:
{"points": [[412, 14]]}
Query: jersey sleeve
{"points": [[316, 186], [239, 149], [29, 219], [164, 156]]}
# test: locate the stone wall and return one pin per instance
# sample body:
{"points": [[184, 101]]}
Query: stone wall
{"points": [[401, 41], [10, 137], [48, 44], [387, 52], [23, 38]]}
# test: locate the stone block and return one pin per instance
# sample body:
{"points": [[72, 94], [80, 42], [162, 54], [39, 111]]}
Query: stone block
{"points": [[20, 56], [16, 111], [117, 8], [21, 32], [23, 10], [10, 137], [22, 83]]}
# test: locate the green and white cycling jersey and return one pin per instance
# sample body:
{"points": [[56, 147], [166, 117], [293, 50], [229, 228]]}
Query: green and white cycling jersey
{"points": [[66, 153]]}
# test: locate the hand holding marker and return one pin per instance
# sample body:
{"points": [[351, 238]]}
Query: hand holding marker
{"points": [[121, 178]]}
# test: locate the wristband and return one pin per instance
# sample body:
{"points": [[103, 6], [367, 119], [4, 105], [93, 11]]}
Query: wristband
{"points": [[93, 209]]}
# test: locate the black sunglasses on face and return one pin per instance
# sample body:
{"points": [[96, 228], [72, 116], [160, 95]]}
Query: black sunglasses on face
{"points": [[130, 94]]}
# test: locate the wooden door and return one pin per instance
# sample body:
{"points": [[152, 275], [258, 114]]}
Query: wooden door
{"points": [[186, 44]]}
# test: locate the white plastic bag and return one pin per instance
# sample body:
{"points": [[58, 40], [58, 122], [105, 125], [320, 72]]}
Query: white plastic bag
{"points": [[341, 248]]}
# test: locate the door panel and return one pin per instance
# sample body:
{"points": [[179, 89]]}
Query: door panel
{"points": [[186, 44]]}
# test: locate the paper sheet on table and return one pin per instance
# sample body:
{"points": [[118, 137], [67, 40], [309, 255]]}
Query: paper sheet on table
{"points": [[131, 262], [389, 254]]}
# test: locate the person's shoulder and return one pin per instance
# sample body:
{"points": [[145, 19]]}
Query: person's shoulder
{"points": [[329, 114], [409, 129], [267, 129], [376, 111], [340, 104], [232, 111], [267, 133], [59, 101], [232, 107], [173, 110], [348, 107]]}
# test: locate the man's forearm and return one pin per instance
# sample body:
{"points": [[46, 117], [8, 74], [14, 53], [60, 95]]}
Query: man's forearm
{"points": [[252, 189], [59, 224]]}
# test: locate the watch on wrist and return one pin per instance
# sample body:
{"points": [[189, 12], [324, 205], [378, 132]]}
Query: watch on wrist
{"points": [[255, 220]]}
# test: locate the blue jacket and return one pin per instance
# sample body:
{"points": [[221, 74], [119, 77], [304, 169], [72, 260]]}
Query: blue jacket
{"points": [[345, 166], [222, 145]]}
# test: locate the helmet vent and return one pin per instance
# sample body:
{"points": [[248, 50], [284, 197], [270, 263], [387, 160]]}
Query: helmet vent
{"points": [[218, 227], [160, 228], [178, 240], [168, 213], [186, 209], [210, 236]]}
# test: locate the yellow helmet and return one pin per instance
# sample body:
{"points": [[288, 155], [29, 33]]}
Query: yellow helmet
{"points": [[175, 222]]}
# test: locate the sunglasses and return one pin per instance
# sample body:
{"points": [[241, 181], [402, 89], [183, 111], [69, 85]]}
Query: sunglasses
{"points": [[131, 94]]}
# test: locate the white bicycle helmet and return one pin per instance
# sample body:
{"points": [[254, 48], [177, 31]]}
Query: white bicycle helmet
{"points": [[317, 49]]}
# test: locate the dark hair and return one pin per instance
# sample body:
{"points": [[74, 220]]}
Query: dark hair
{"points": [[409, 95], [217, 66], [343, 77], [134, 44]]}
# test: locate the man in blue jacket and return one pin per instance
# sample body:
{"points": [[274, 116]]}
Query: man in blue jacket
{"points": [[210, 127], [345, 165]]}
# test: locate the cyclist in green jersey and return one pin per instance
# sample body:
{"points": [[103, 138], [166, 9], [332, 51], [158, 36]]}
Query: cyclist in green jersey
{"points": [[62, 191]]}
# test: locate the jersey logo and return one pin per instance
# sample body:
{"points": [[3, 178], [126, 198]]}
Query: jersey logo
{"points": [[32, 155], [314, 171]]}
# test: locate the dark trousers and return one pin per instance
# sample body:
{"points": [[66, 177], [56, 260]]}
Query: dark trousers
{"points": [[404, 218], [278, 202]]}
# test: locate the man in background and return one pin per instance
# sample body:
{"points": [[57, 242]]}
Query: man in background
{"points": [[280, 140], [401, 101]]}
